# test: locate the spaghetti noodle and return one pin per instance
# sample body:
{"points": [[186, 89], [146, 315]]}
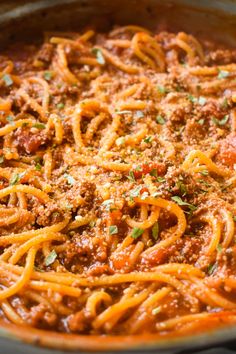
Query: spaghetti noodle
{"points": [[118, 204]]}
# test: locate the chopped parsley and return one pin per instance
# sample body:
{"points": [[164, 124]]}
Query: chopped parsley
{"points": [[137, 232], [60, 105], [47, 75], [160, 120], [162, 89], [113, 229], [39, 126], [153, 172], [223, 74], [191, 98], [211, 268], [155, 231], [38, 167], [222, 121], [225, 103], [160, 179], [234, 218], [148, 139], [7, 79], [180, 202], [50, 258], [123, 112], [99, 55], [201, 121], [204, 173], [219, 248], [131, 176], [10, 119], [15, 178], [204, 182], [182, 187]]}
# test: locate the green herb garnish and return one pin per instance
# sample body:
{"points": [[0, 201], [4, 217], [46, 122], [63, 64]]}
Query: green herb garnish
{"points": [[137, 232], [204, 173], [99, 55], [155, 231], [160, 120], [7, 79], [131, 176], [60, 105], [38, 167], [113, 229], [15, 178], [10, 120], [47, 75], [211, 268], [223, 74], [39, 126], [148, 139], [201, 121], [222, 121], [162, 89], [180, 202], [50, 258]]}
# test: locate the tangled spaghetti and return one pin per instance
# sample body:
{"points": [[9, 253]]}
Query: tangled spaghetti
{"points": [[117, 183]]}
